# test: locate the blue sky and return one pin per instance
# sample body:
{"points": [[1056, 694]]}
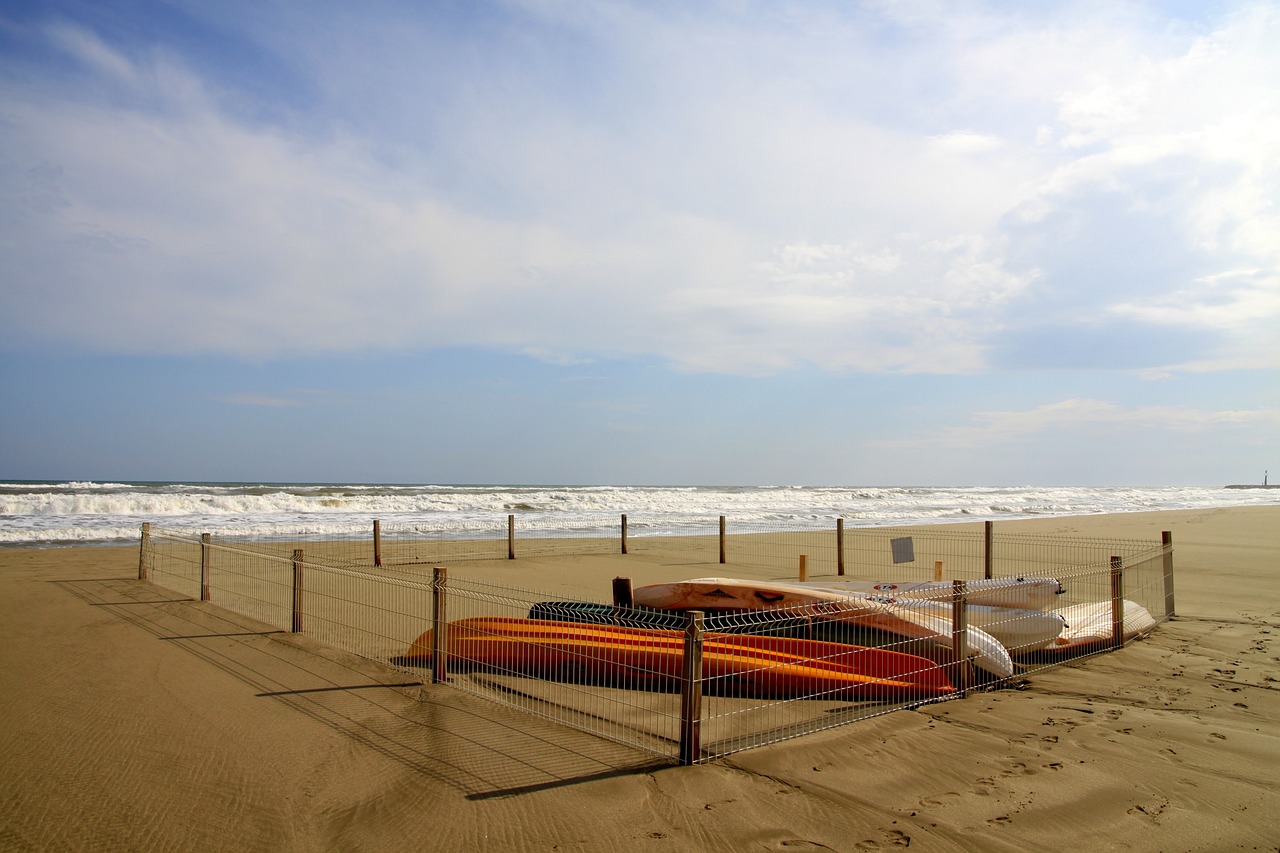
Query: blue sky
{"points": [[534, 241]]}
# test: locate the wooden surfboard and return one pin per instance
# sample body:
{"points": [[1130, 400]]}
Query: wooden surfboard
{"points": [[733, 664], [1023, 593], [719, 594]]}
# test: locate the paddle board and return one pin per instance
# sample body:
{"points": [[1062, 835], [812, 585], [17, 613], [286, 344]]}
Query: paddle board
{"points": [[733, 664], [1024, 593], [719, 594]]}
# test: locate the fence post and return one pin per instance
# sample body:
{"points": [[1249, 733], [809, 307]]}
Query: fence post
{"points": [[297, 590], [377, 542], [988, 557], [144, 550], [960, 637], [1117, 602], [804, 568], [205, 559], [624, 533], [511, 537], [839, 546], [691, 692], [439, 627], [1166, 539], [722, 540], [622, 595]]}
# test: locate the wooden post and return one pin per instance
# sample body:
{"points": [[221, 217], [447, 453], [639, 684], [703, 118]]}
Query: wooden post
{"points": [[1166, 539], [804, 569], [205, 568], [377, 542], [624, 533], [840, 546], [439, 627], [511, 537], [988, 553], [691, 692], [937, 570], [1117, 602], [144, 551], [297, 590], [622, 597], [722, 540], [960, 637]]}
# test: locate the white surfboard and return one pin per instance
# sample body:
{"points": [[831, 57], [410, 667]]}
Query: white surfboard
{"points": [[719, 594], [1090, 624], [1017, 629], [1024, 593]]}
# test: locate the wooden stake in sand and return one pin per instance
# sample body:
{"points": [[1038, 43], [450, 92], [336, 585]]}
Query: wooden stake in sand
{"points": [[804, 571], [988, 555], [691, 691], [959, 636], [937, 570], [622, 596], [144, 550], [1166, 539], [377, 542], [1117, 602], [840, 546]]}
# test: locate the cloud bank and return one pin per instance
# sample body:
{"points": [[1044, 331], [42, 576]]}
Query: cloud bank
{"points": [[876, 188]]}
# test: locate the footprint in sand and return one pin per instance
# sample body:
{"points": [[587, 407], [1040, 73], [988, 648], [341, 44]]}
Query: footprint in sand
{"points": [[892, 838]]}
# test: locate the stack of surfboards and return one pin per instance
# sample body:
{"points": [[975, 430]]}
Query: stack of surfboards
{"points": [[1006, 617], [732, 664]]}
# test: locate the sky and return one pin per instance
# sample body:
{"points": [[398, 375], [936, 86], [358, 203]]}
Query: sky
{"points": [[901, 242]]}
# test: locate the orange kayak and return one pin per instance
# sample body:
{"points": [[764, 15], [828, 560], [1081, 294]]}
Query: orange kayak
{"points": [[732, 664]]}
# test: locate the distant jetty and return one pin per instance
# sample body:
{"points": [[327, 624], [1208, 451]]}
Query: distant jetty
{"points": [[1262, 485]]}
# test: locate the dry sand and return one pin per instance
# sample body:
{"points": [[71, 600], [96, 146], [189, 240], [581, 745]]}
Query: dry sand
{"points": [[131, 719]]}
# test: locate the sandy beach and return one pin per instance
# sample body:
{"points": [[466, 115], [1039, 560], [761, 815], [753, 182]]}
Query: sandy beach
{"points": [[134, 719]]}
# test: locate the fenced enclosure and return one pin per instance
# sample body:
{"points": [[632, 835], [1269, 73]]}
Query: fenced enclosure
{"points": [[689, 685]]}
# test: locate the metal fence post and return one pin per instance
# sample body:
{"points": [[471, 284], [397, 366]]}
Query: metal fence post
{"points": [[1166, 539], [297, 590], [205, 567], [691, 691], [439, 627]]}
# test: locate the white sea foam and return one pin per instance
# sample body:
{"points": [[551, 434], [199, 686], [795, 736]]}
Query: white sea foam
{"points": [[74, 512]]}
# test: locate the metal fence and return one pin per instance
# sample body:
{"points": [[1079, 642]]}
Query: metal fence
{"points": [[693, 684]]}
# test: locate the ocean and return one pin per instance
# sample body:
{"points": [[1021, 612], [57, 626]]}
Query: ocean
{"points": [[66, 513]]}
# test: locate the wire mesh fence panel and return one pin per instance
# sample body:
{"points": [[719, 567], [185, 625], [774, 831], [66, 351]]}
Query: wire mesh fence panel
{"points": [[768, 670]]}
